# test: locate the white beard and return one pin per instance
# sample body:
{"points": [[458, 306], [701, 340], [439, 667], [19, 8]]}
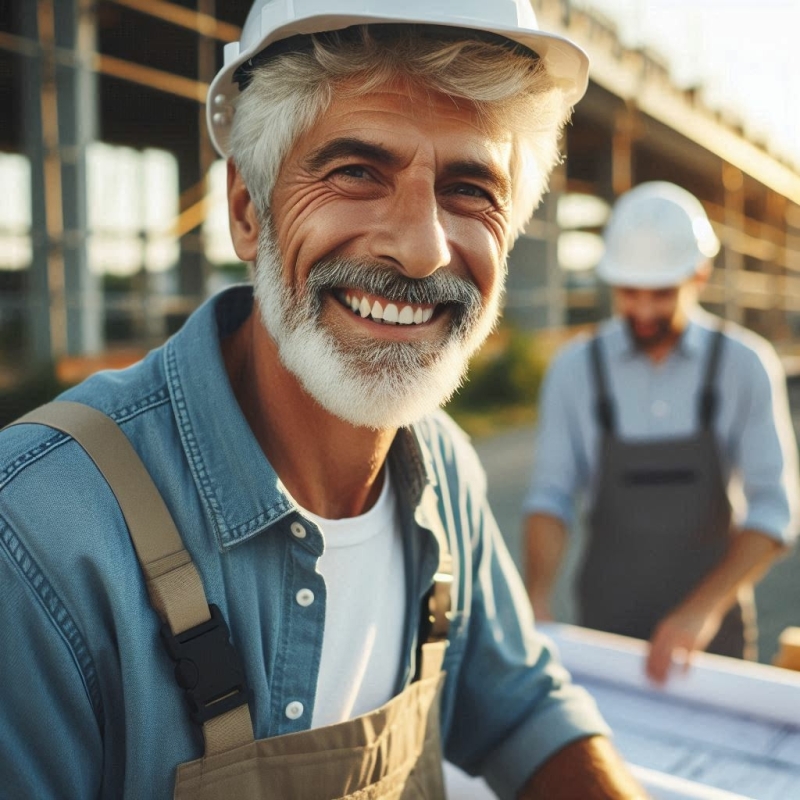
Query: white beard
{"points": [[366, 382]]}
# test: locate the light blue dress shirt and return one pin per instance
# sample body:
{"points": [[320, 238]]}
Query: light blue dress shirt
{"points": [[89, 707], [659, 401]]}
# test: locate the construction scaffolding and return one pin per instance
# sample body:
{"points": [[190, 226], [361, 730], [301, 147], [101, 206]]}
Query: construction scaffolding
{"points": [[114, 221]]}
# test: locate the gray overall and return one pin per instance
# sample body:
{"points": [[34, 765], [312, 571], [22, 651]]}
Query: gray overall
{"points": [[661, 520]]}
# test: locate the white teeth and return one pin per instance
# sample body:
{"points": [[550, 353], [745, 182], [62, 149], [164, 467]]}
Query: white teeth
{"points": [[406, 316]]}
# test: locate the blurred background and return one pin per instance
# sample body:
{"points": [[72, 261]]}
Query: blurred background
{"points": [[113, 225]]}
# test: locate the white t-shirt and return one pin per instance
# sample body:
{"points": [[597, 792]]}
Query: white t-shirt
{"points": [[364, 572]]}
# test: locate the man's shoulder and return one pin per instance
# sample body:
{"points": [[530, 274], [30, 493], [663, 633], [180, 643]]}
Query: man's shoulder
{"points": [[748, 350], [745, 358], [121, 394], [746, 339]]}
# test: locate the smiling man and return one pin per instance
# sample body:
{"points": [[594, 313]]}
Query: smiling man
{"points": [[380, 165], [380, 260]]}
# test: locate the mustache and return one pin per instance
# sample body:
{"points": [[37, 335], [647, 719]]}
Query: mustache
{"points": [[373, 277]]}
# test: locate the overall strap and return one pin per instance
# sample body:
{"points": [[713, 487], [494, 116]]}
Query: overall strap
{"points": [[194, 633], [603, 405], [708, 396]]}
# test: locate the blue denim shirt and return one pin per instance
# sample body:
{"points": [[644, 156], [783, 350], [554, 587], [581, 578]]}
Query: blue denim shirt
{"points": [[89, 706], [752, 424]]}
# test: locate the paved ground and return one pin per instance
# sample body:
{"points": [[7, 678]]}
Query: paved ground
{"points": [[507, 458]]}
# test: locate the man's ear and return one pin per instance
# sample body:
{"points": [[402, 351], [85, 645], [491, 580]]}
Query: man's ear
{"points": [[702, 275], [242, 215]]}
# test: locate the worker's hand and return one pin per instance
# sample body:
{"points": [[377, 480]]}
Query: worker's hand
{"points": [[541, 609], [589, 769], [677, 637]]}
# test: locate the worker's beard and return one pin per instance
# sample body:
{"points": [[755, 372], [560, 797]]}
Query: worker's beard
{"points": [[657, 333], [363, 380]]}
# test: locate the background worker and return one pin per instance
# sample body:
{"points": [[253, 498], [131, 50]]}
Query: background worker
{"points": [[652, 417], [377, 176]]}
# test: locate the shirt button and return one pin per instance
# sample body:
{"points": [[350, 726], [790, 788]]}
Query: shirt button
{"points": [[298, 530], [294, 710], [305, 597], [660, 408]]}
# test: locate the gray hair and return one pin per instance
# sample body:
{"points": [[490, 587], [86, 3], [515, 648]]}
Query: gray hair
{"points": [[509, 89]]}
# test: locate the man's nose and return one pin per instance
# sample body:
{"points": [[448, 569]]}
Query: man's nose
{"points": [[643, 308], [411, 235]]}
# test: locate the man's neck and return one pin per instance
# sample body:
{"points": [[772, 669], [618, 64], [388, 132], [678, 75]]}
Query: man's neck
{"points": [[329, 466], [661, 350]]}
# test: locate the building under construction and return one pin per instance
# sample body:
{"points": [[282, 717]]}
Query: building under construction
{"points": [[113, 224]]}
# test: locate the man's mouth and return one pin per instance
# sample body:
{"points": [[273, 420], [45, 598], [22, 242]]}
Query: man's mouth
{"points": [[387, 312]]}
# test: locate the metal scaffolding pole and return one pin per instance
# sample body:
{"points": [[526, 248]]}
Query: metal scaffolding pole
{"points": [[46, 333], [60, 120], [78, 93], [733, 183], [556, 314]]}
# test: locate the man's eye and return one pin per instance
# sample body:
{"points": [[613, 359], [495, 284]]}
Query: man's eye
{"points": [[470, 190], [352, 171]]}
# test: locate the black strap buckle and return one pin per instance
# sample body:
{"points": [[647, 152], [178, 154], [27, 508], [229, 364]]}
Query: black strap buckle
{"points": [[435, 614], [207, 667]]}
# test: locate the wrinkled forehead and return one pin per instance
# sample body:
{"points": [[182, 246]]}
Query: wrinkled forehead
{"points": [[414, 96]]}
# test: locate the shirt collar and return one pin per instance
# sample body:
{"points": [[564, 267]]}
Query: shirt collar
{"points": [[241, 492], [695, 337]]}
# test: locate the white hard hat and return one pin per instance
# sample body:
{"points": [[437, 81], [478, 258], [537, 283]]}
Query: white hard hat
{"points": [[658, 236], [270, 21]]}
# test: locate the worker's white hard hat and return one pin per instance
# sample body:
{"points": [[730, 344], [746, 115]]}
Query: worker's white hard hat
{"points": [[658, 236], [270, 21]]}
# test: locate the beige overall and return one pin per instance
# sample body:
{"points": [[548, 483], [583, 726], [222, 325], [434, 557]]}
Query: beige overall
{"points": [[392, 753]]}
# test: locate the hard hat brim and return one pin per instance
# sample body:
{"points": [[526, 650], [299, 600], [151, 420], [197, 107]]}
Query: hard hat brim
{"points": [[565, 62], [614, 276]]}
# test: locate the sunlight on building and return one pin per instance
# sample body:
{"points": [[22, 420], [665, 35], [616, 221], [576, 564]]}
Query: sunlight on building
{"points": [[133, 202], [579, 250], [578, 210], [15, 212], [216, 233], [160, 174]]}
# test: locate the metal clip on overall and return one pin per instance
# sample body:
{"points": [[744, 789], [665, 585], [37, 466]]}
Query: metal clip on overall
{"points": [[207, 667]]}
